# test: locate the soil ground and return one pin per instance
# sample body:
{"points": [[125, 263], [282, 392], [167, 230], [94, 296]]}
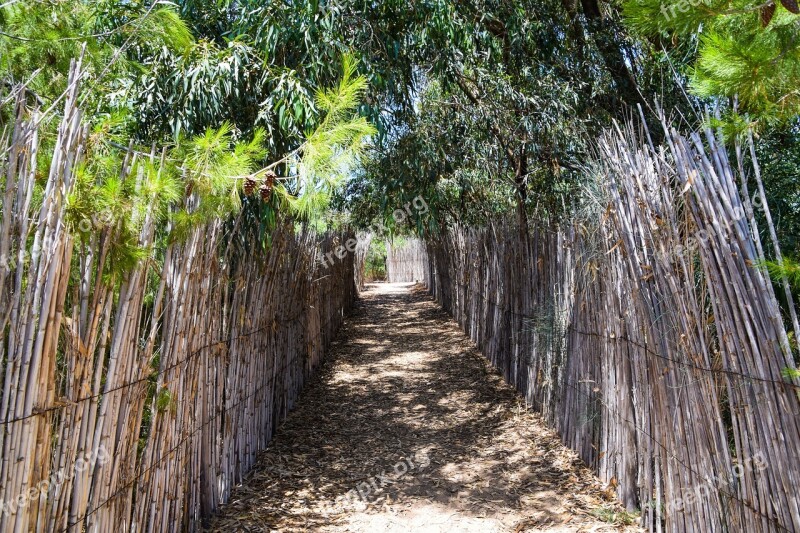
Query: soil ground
{"points": [[406, 428]]}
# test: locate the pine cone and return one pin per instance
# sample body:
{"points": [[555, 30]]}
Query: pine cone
{"points": [[766, 14], [266, 187], [271, 178], [265, 191], [249, 186], [791, 6]]}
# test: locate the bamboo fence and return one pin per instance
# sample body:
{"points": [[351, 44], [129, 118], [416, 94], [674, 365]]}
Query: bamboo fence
{"points": [[657, 357], [405, 263], [176, 393]]}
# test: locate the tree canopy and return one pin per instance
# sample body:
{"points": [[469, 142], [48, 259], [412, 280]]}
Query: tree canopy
{"points": [[483, 106]]}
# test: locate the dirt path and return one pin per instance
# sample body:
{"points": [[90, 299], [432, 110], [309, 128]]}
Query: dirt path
{"points": [[407, 429]]}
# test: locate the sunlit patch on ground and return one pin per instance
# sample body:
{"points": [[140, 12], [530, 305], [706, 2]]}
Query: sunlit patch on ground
{"points": [[406, 429]]}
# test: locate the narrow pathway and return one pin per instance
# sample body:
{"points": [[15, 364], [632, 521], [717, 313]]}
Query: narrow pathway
{"points": [[406, 428]]}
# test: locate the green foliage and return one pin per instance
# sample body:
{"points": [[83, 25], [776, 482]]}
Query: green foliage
{"points": [[42, 38], [787, 269], [39, 39], [516, 88], [145, 26], [443, 158], [778, 152], [201, 87], [448, 156], [259, 64], [102, 202], [302, 42], [510, 94], [744, 50], [375, 261], [481, 107], [791, 373], [331, 151], [612, 515], [164, 401], [213, 160], [759, 65]]}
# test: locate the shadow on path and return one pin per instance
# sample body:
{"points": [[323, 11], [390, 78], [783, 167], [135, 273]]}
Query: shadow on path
{"points": [[407, 428]]}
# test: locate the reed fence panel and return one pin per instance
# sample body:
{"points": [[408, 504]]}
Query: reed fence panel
{"points": [[405, 262], [360, 257]]}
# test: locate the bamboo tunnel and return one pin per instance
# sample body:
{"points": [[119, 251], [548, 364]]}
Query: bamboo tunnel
{"points": [[642, 330]]}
